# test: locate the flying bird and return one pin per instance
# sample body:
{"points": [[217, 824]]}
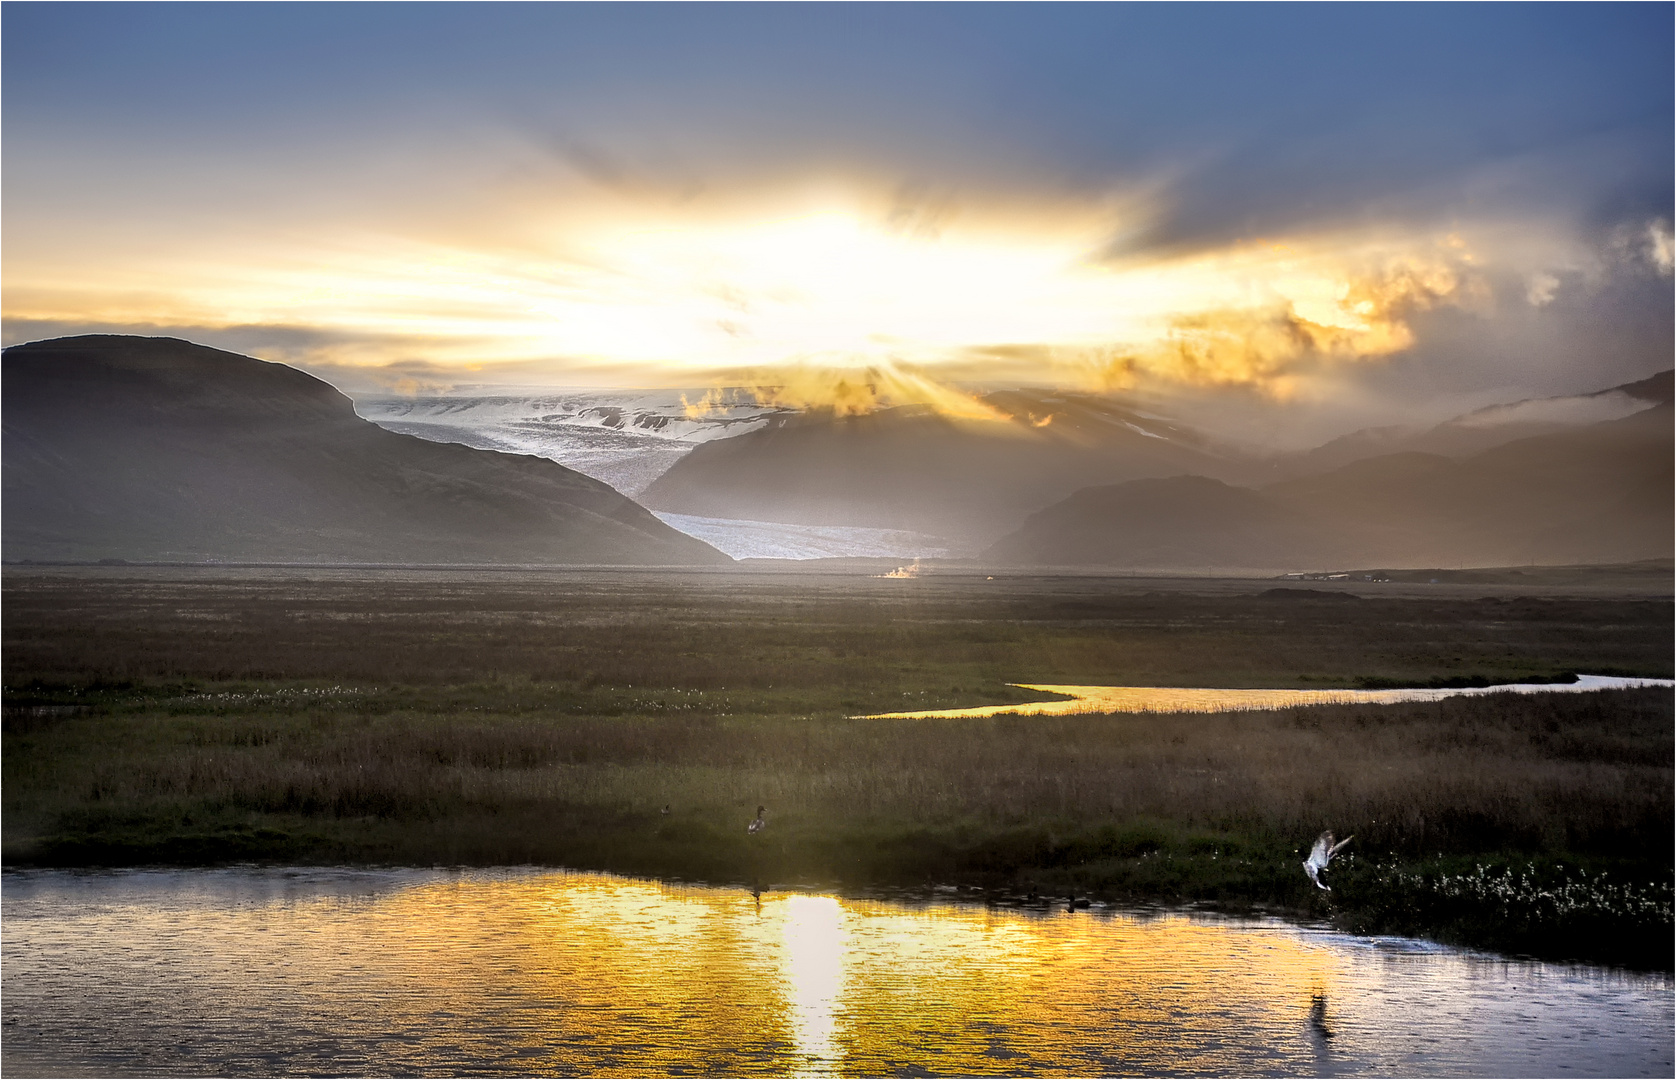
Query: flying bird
{"points": [[757, 826], [1322, 854]]}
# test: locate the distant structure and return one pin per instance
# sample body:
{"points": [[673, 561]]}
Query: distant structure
{"points": [[758, 825], [1322, 854]]}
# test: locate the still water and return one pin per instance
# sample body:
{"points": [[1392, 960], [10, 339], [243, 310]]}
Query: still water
{"points": [[531, 972], [1173, 699]]}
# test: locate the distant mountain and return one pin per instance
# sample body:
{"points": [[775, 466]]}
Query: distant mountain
{"points": [[911, 468], [1597, 493], [1178, 523], [1477, 431], [625, 438], [158, 449]]}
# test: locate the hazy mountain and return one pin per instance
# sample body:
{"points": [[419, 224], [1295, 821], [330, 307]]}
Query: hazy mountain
{"points": [[910, 468], [1593, 494], [1178, 523], [626, 438], [1482, 429], [153, 448]]}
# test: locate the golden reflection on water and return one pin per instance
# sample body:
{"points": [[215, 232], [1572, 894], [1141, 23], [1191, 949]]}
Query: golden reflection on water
{"points": [[818, 985], [813, 976], [565, 973], [1180, 699], [534, 972]]}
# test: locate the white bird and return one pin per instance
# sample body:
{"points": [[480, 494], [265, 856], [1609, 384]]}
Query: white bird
{"points": [[1322, 854], [758, 825]]}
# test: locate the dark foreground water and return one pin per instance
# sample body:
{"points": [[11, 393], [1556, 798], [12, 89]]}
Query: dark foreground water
{"points": [[530, 972]]}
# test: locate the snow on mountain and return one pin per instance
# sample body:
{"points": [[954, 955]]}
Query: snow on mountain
{"points": [[1560, 411], [627, 438]]}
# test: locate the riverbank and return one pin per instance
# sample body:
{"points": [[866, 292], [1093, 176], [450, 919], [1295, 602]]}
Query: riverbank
{"points": [[294, 722]]}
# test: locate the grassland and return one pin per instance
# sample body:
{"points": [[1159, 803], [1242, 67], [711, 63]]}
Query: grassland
{"points": [[405, 717]]}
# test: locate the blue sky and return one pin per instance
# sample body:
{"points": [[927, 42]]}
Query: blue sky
{"points": [[1492, 184]]}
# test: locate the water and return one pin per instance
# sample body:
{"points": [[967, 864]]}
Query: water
{"points": [[530, 972], [1174, 699]]}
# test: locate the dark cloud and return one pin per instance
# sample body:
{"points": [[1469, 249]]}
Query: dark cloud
{"points": [[1261, 113]]}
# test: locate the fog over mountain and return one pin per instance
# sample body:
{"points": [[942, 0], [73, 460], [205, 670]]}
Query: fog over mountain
{"points": [[158, 449], [1483, 428]]}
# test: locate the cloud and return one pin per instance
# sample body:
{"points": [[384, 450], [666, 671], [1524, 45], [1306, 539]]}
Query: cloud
{"points": [[1661, 245], [1540, 290]]}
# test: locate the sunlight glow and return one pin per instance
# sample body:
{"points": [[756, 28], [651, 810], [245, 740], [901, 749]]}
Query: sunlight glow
{"points": [[817, 300]]}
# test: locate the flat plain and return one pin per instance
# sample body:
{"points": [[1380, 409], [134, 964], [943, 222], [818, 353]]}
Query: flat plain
{"points": [[203, 715]]}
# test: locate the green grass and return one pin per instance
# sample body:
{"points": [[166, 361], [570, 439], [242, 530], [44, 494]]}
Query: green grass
{"points": [[392, 719]]}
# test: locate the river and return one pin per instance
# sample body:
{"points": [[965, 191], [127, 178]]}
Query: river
{"points": [[1078, 700], [262, 971]]}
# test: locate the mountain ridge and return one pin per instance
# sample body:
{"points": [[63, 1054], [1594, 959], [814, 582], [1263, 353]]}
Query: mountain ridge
{"points": [[1597, 494], [157, 448]]}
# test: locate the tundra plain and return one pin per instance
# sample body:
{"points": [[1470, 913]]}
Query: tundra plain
{"points": [[206, 715]]}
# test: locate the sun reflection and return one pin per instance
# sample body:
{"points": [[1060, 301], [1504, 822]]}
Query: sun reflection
{"points": [[813, 933]]}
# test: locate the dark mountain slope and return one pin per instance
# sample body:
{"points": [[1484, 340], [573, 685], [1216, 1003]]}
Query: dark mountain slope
{"points": [[153, 448], [1179, 523], [1595, 494], [1600, 493]]}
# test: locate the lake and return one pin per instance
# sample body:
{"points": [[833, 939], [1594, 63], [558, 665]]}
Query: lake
{"points": [[262, 971]]}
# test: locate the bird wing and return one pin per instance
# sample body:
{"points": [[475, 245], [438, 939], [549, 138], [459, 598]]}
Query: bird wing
{"points": [[1340, 844]]}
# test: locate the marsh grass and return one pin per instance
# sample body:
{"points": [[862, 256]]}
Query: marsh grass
{"points": [[134, 734]]}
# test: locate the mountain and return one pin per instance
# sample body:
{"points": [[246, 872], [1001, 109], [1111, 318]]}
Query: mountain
{"points": [[1176, 523], [626, 438], [1482, 429], [1596, 493], [158, 449], [911, 468]]}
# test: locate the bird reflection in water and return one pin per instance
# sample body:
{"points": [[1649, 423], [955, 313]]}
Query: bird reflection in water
{"points": [[1320, 1032], [1318, 1014]]}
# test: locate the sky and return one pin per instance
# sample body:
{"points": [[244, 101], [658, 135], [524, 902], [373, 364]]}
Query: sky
{"points": [[1284, 221]]}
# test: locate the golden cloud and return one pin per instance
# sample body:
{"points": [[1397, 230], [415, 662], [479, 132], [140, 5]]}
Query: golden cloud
{"points": [[855, 391]]}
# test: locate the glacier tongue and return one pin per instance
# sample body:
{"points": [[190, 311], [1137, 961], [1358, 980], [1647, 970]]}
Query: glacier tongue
{"points": [[776, 540]]}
